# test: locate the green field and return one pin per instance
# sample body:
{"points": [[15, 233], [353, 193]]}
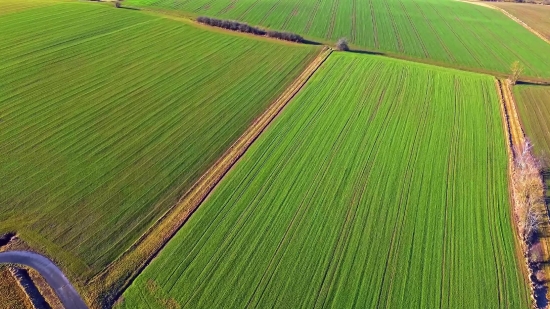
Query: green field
{"points": [[108, 116], [382, 185], [441, 31], [534, 110]]}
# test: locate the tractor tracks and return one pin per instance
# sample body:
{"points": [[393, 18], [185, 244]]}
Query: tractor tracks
{"points": [[119, 274]]}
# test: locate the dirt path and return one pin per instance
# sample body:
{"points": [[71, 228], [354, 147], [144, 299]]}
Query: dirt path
{"points": [[55, 278], [512, 17], [536, 266], [119, 274]]}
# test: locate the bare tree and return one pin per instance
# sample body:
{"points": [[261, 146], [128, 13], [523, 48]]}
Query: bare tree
{"points": [[342, 44], [516, 69], [528, 192]]}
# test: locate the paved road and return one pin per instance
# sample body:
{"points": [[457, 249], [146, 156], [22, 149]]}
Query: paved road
{"points": [[65, 291]]}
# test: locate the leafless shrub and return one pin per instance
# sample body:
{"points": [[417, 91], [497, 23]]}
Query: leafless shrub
{"points": [[118, 4], [546, 2], [528, 192], [516, 69], [243, 27], [342, 44]]}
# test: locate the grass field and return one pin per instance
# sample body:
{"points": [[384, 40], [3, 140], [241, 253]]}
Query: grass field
{"points": [[441, 31], [11, 295], [534, 110], [536, 16], [104, 125], [381, 185], [13, 6]]}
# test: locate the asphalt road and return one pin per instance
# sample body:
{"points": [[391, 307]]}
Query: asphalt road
{"points": [[68, 296]]}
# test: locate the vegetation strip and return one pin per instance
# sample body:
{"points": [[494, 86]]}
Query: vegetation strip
{"points": [[121, 272], [361, 169], [27, 285], [391, 31], [530, 213]]}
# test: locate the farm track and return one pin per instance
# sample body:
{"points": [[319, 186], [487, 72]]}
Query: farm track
{"points": [[248, 9], [293, 13], [312, 16], [479, 39], [270, 11], [418, 37], [516, 138], [333, 14], [517, 20], [248, 243], [229, 7], [150, 243], [449, 54], [400, 46], [354, 20], [456, 35], [374, 27]]}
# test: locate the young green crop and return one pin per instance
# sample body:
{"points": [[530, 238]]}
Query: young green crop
{"points": [[381, 185], [534, 110], [107, 117], [445, 32]]}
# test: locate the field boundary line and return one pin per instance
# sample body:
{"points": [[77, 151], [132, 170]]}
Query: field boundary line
{"points": [[515, 140], [113, 280], [514, 18]]}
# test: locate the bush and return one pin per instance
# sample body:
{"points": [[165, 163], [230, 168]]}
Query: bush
{"points": [[342, 44], [118, 4], [246, 28]]}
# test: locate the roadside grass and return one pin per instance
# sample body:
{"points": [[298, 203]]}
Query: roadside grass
{"points": [[107, 117], [458, 34], [382, 184], [11, 295]]}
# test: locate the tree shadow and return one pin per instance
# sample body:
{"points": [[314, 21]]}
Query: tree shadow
{"points": [[309, 42], [365, 52], [130, 8]]}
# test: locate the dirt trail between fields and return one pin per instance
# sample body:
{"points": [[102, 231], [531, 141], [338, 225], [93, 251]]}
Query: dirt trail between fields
{"points": [[536, 255], [56, 279], [119, 274], [512, 17]]}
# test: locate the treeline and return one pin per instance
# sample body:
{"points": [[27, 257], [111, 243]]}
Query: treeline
{"points": [[246, 28]]}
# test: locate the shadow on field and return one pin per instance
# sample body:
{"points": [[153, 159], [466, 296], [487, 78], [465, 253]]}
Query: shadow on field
{"points": [[533, 82], [308, 42], [365, 52], [130, 8]]}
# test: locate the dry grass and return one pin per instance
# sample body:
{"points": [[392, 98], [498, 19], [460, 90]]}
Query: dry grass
{"points": [[11, 295], [45, 289], [528, 193]]}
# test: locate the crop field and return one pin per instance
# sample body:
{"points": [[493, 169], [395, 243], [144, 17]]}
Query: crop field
{"points": [[105, 125], [536, 16], [534, 111], [381, 185], [440, 31], [12, 6]]}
